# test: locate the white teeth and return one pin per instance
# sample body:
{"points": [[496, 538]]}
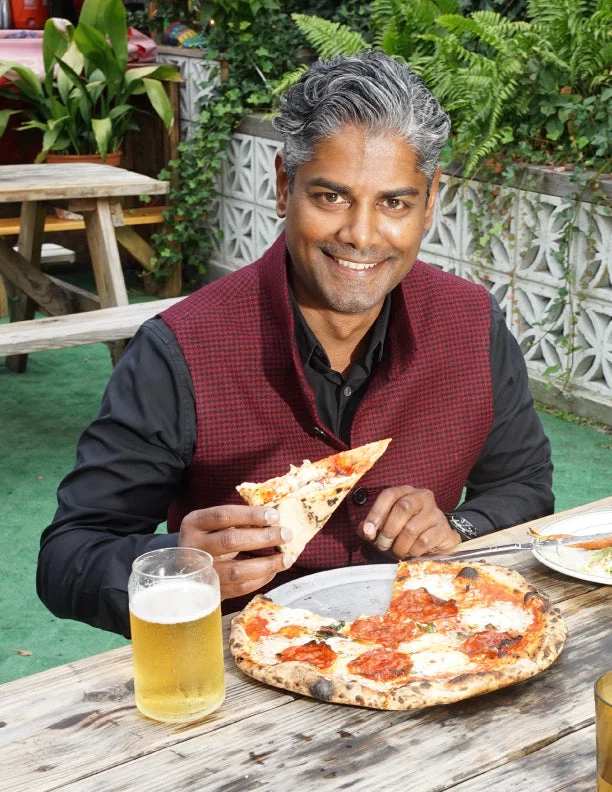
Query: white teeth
{"points": [[354, 265]]}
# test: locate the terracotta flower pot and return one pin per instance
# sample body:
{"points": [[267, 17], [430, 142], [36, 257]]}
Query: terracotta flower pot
{"points": [[112, 158]]}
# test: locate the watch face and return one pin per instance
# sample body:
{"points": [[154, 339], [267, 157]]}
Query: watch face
{"points": [[462, 526]]}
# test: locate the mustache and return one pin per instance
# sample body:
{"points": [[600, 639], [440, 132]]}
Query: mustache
{"points": [[364, 254]]}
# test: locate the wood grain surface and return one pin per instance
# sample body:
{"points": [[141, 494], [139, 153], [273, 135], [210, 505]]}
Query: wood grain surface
{"points": [[75, 728], [79, 180], [57, 332]]}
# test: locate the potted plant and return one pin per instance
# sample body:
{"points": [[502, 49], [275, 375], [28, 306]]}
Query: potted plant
{"points": [[83, 105]]}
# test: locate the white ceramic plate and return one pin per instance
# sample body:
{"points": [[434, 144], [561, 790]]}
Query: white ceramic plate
{"points": [[569, 560], [343, 593]]}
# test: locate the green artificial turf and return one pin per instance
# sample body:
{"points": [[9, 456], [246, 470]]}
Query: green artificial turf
{"points": [[42, 414]]}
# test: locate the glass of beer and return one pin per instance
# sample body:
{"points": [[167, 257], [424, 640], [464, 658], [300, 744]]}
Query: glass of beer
{"points": [[175, 617], [603, 729]]}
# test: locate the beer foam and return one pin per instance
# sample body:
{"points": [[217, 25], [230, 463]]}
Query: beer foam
{"points": [[175, 601]]}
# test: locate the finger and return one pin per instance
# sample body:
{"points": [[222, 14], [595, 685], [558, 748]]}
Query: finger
{"points": [[217, 517], [437, 538], [236, 540], [378, 514], [242, 577], [406, 517]]}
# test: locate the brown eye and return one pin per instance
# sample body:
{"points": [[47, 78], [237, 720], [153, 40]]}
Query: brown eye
{"points": [[395, 203], [331, 197]]}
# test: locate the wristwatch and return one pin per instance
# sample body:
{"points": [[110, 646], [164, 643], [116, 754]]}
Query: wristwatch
{"points": [[464, 527]]}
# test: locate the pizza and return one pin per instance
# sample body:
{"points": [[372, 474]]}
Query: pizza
{"points": [[451, 631], [308, 495]]}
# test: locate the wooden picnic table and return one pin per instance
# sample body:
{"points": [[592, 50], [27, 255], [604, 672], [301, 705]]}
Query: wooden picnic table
{"points": [[75, 728], [93, 191]]}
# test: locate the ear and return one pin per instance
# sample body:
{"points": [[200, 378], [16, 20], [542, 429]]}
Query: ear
{"points": [[282, 186], [431, 199]]}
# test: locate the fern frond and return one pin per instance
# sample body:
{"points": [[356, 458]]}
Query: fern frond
{"points": [[289, 79], [329, 39]]}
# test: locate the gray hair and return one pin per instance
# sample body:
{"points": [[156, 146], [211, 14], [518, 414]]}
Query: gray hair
{"points": [[370, 89]]}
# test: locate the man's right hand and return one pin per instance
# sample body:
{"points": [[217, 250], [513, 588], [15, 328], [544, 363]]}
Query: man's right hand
{"points": [[225, 531]]}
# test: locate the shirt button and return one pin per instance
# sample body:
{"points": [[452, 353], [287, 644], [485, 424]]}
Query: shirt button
{"points": [[360, 496], [347, 390]]}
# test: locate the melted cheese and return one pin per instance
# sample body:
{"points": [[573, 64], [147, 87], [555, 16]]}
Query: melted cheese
{"points": [[441, 586], [504, 616], [439, 661], [430, 641], [297, 616]]}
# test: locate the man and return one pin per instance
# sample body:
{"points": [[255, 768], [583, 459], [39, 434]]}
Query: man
{"points": [[335, 338]]}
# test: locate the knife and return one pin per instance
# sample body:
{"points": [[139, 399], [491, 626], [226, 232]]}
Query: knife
{"points": [[533, 544]]}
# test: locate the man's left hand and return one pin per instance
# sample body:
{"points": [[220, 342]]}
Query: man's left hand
{"points": [[405, 521]]}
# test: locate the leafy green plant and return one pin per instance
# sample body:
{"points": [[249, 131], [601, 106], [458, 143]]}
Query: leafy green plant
{"points": [[537, 89], [83, 104], [225, 12], [256, 61]]}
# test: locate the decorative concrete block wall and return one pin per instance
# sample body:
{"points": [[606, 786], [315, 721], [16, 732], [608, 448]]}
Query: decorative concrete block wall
{"points": [[518, 261]]}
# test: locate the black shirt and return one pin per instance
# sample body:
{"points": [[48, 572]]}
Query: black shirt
{"points": [[131, 459]]}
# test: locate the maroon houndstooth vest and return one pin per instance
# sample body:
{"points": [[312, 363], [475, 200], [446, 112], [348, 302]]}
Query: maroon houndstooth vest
{"points": [[256, 412]]}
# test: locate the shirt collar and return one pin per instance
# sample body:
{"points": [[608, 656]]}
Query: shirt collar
{"points": [[309, 346]]}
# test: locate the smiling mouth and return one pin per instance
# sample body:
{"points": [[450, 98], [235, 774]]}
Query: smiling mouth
{"points": [[354, 265]]}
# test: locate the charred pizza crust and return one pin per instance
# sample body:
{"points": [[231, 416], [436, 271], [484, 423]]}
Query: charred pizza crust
{"points": [[308, 495], [539, 647]]}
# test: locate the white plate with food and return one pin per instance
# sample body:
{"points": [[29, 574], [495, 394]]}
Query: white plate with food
{"points": [[592, 565]]}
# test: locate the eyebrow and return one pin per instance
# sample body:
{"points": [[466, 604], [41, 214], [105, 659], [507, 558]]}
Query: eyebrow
{"points": [[343, 190]]}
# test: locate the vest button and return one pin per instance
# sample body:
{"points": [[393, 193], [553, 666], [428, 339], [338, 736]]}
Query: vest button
{"points": [[360, 496], [318, 432]]}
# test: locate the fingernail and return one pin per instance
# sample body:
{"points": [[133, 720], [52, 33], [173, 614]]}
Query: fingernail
{"points": [[271, 515], [286, 533], [288, 559], [369, 530]]}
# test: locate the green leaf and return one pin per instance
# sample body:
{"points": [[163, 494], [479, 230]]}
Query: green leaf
{"points": [[4, 119], [120, 110], [29, 83], [159, 99], [102, 129], [164, 72], [547, 80], [56, 39], [115, 26], [554, 128], [94, 47], [67, 76]]}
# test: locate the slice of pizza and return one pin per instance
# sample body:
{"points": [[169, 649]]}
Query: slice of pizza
{"points": [[308, 495]]}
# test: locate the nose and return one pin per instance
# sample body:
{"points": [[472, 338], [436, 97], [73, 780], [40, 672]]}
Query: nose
{"points": [[359, 227]]}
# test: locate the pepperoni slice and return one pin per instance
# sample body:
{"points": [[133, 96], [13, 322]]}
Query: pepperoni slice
{"points": [[318, 654], [379, 629], [256, 627], [384, 665], [420, 605], [489, 643]]}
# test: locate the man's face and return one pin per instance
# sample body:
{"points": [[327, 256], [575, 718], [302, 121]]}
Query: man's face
{"points": [[354, 219]]}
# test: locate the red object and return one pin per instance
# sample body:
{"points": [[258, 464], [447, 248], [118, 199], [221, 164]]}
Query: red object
{"points": [[29, 14]]}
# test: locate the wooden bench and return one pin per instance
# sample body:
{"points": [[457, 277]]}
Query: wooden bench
{"points": [[143, 215], [57, 332], [127, 237]]}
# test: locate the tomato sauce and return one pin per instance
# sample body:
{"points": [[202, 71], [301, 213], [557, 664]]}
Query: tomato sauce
{"points": [[490, 643], [420, 605], [384, 665], [317, 654], [256, 627], [379, 629]]}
